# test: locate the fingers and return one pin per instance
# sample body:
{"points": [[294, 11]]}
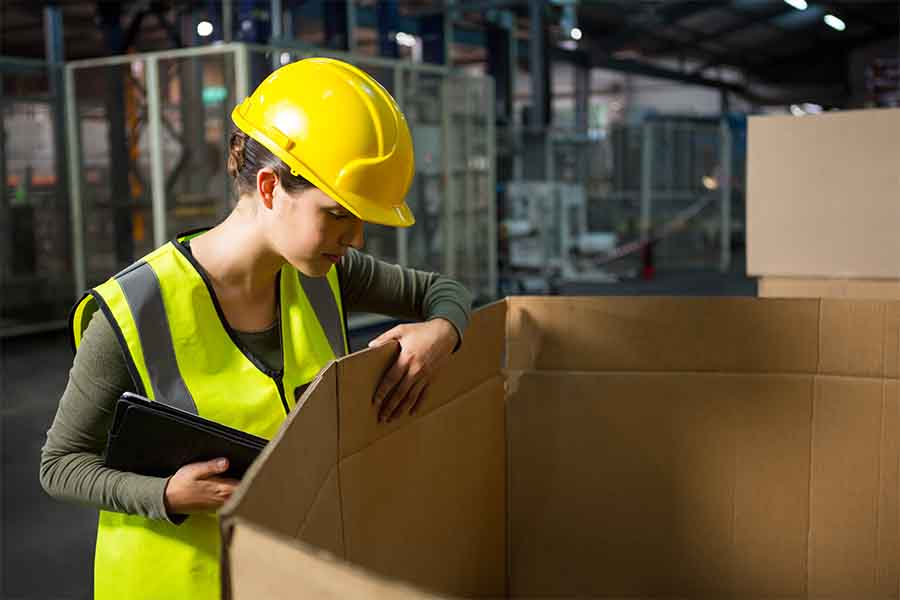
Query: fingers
{"points": [[390, 380], [416, 394], [222, 488], [205, 470], [407, 392], [396, 399], [387, 336], [410, 398]]}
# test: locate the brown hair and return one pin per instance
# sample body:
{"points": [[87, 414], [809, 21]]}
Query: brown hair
{"points": [[246, 157]]}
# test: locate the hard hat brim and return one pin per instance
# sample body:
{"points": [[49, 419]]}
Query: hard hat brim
{"points": [[371, 212]]}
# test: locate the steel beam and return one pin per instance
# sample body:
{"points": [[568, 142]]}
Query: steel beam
{"points": [[538, 64], [387, 14], [157, 174], [120, 192]]}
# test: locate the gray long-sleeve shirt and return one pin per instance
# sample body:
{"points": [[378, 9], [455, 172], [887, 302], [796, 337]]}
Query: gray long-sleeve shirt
{"points": [[71, 459]]}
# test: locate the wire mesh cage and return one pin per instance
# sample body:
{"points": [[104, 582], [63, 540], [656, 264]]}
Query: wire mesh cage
{"points": [[148, 142], [36, 285], [642, 178]]}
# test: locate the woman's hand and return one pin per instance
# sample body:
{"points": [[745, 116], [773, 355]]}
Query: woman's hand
{"points": [[423, 347], [196, 488]]}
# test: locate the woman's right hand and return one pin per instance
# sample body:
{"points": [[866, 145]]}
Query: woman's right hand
{"points": [[196, 488]]}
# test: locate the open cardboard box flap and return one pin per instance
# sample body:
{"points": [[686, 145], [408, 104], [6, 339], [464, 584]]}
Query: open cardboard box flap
{"points": [[595, 447]]}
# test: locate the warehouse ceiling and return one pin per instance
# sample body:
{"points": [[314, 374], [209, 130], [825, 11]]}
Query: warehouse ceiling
{"points": [[768, 41]]}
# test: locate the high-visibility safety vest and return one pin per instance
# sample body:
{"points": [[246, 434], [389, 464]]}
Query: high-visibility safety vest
{"points": [[181, 351]]}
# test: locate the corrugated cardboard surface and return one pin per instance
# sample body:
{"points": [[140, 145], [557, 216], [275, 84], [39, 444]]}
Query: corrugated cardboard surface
{"points": [[662, 334], [479, 359], [805, 287], [309, 437], [424, 496], [669, 484], [853, 497], [427, 503], [822, 195], [643, 448], [271, 563]]}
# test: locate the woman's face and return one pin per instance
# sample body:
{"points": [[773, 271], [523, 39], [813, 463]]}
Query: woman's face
{"points": [[311, 231]]}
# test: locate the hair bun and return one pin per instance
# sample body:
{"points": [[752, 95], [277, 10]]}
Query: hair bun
{"points": [[236, 153]]}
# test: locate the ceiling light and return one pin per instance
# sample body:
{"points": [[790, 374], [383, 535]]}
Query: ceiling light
{"points": [[835, 23], [710, 183], [204, 29], [575, 33], [798, 4], [405, 39]]}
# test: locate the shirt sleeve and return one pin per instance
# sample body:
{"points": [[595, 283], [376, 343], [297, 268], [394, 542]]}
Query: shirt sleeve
{"points": [[72, 456], [374, 286]]}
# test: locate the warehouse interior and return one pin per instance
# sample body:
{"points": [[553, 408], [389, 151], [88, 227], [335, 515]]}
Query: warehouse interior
{"points": [[562, 148]]}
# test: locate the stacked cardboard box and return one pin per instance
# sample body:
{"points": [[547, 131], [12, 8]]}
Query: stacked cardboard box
{"points": [[607, 448], [823, 204]]}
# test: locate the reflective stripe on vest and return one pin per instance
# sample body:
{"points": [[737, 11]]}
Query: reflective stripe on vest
{"points": [[180, 350]]}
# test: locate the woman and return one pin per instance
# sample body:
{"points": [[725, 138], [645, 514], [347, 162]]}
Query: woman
{"points": [[234, 322]]}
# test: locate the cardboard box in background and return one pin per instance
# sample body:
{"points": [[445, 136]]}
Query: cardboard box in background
{"points": [[805, 287], [823, 195], [603, 447]]}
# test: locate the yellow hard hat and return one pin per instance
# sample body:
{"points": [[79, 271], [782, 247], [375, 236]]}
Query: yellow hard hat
{"points": [[339, 129]]}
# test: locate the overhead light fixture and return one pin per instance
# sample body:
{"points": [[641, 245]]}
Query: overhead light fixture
{"points": [[575, 33], [798, 4], [835, 23], [811, 108], [405, 39], [204, 29]]}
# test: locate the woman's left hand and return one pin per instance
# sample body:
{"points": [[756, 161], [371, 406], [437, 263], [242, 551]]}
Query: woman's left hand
{"points": [[423, 348]]}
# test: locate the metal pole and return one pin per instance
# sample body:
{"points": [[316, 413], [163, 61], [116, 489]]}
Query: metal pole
{"points": [[241, 73], [646, 179], [448, 31], [536, 64], [55, 54], [492, 216], [351, 26], [157, 175], [471, 189], [276, 18], [53, 34], [725, 189], [449, 184], [73, 154], [6, 252], [227, 20], [3, 195], [548, 144], [582, 98]]}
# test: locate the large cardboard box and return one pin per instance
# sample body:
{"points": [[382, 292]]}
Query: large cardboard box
{"points": [[823, 195], [595, 447]]}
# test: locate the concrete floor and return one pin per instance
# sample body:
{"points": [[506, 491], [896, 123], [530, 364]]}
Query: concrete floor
{"points": [[46, 547]]}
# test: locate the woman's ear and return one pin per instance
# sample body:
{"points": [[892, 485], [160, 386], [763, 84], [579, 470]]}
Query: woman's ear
{"points": [[266, 181]]}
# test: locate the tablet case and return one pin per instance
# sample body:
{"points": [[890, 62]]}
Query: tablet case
{"points": [[152, 438]]}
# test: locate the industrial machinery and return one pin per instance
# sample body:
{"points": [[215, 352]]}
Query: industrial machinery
{"points": [[547, 239]]}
